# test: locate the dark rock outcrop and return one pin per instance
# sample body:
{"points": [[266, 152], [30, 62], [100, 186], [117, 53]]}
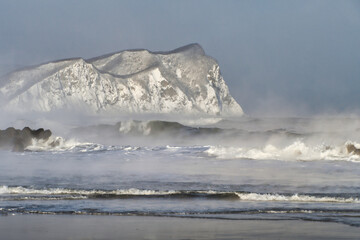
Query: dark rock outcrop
{"points": [[17, 140], [352, 149]]}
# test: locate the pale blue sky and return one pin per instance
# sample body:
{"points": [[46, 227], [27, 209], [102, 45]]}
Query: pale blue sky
{"points": [[278, 57]]}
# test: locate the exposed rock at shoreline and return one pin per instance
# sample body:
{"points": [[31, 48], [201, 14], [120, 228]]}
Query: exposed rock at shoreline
{"points": [[17, 140]]}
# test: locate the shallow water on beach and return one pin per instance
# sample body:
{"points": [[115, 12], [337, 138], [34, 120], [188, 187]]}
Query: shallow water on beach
{"points": [[281, 169]]}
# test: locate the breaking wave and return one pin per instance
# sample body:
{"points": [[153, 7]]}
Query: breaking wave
{"points": [[294, 198], [59, 144], [298, 150], [151, 128], [158, 127], [265, 142], [25, 193], [63, 191]]}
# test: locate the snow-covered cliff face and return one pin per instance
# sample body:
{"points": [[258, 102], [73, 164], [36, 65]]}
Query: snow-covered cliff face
{"points": [[183, 81]]}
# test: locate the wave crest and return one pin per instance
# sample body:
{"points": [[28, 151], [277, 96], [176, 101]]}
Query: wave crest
{"points": [[298, 150], [59, 144], [62, 193], [294, 198]]}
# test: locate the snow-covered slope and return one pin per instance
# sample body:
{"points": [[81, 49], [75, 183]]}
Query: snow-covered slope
{"points": [[183, 81]]}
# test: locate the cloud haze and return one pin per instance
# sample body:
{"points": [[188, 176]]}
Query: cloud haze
{"points": [[278, 57]]}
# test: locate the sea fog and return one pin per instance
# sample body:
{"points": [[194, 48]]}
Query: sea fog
{"points": [[295, 138], [243, 168]]}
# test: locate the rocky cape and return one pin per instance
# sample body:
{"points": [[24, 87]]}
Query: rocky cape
{"points": [[182, 81]]}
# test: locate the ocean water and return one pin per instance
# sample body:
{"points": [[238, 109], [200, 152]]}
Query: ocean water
{"points": [[249, 168]]}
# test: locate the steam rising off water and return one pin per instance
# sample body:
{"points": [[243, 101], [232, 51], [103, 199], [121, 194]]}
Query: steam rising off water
{"points": [[291, 168]]}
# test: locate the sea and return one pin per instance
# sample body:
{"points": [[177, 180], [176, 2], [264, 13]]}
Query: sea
{"points": [[236, 169]]}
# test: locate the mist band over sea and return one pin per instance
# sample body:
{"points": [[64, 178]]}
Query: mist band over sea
{"points": [[249, 168]]}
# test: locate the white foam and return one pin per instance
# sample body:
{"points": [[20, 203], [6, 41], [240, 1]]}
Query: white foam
{"points": [[134, 191], [81, 194], [298, 150], [63, 191], [201, 121], [59, 144], [136, 126], [293, 198], [287, 211]]}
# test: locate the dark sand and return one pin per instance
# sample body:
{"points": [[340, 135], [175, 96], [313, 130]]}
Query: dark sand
{"points": [[133, 227]]}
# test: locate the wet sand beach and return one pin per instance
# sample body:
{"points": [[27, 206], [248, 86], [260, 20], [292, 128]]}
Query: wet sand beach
{"points": [[137, 227]]}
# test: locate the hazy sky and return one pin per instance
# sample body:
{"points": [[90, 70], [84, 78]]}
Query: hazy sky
{"points": [[278, 57]]}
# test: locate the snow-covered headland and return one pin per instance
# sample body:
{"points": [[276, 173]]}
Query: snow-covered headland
{"points": [[183, 81]]}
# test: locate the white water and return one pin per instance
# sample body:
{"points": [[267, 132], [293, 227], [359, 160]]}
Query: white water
{"points": [[140, 192], [59, 145], [190, 171], [293, 198], [63, 191], [297, 150]]}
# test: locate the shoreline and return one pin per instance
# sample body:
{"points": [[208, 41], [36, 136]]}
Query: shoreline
{"points": [[32, 226]]}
